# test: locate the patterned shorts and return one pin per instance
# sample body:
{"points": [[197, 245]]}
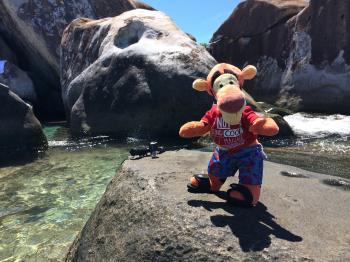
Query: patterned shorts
{"points": [[249, 162]]}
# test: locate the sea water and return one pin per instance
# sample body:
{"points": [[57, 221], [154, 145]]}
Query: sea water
{"points": [[44, 204], [322, 144]]}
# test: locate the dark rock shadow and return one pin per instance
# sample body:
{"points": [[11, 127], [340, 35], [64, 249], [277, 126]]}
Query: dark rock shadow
{"points": [[252, 226], [16, 157]]}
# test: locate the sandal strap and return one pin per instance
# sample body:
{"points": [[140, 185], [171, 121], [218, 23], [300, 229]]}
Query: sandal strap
{"points": [[203, 183], [248, 197]]}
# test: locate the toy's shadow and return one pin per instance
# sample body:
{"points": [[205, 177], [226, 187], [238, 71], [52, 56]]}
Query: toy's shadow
{"points": [[252, 226]]}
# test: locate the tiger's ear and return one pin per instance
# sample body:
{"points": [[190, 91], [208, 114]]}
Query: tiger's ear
{"points": [[249, 72], [200, 85]]}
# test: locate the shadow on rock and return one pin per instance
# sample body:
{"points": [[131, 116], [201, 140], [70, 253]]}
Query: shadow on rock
{"points": [[252, 226]]}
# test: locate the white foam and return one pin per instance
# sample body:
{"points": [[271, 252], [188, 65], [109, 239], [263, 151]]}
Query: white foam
{"points": [[58, 143], [304, 124]]}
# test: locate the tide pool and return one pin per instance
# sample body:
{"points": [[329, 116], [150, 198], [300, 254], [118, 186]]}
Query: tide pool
{"points": [[44, 204]]}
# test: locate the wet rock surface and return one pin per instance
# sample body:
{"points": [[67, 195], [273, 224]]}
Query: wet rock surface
{"points": [[299, 47], [293, 174], [131, 75], [147, 214], [20, 132], [341, 183]]}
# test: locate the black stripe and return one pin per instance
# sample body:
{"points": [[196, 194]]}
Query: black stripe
{"points": [[228, 71], [215, 76]]}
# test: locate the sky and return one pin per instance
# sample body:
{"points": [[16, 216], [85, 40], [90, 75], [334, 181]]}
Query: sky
{"points": [[2, 64], [201, 18]]}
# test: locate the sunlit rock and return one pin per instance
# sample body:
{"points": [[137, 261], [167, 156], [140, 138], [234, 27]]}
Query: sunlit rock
{"points": [[131, 75], [300, 48]]}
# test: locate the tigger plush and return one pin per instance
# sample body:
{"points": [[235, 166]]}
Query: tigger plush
{"points": [[234, 128]]}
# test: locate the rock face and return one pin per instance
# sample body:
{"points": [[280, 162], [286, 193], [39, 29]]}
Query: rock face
{"points": [[131, 75], [142, 5], [146, 214], [34, 29], [20, 131], [266, 110], [301, 51], [19, 82], [6, 53]]}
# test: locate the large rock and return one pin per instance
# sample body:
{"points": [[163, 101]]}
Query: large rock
{"points": [[302, 54], [34, 29], [146, 214], [131, 75], [6, 53], [142, 5], [19, 82], [276, 113], [20, 132]]}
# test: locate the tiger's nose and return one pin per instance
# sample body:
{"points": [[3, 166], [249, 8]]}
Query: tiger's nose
{"points": [[231, 103]]}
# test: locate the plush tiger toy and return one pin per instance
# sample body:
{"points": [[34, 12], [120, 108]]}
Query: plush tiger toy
{"points": [[234, 127]]}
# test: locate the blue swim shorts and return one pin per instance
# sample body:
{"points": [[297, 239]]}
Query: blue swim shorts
{"points": [[249, 162]]}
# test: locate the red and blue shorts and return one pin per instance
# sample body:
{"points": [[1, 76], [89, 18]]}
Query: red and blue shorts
{"points": [[249, 162]]}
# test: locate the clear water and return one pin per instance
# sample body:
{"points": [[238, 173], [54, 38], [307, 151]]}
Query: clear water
{"points": [[322, 144], [44, 204], [328, 155]]}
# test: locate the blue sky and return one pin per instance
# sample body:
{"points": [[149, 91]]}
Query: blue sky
{"points": [[2, 64], [201, 18]]}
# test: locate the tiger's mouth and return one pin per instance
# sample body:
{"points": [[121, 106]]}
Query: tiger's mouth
{"points": [[231, 103], [233, 118]]}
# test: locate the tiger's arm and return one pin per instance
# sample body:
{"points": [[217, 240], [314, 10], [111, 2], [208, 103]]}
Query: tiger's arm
{"points": [[194, 129], [264, 126]]}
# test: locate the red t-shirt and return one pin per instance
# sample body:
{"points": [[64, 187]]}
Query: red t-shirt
{"points": [[233, 137]]}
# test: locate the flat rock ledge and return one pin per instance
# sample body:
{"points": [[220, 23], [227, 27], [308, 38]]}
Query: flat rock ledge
{"points": [[146, 214]]}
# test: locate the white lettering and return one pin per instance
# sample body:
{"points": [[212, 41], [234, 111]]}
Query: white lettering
{"points": [[221, 124], [233, 132]]}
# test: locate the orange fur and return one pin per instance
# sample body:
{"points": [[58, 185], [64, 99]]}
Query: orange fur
{"points": [[194, 129], [261, 126], [215, 183], [264, 126]]}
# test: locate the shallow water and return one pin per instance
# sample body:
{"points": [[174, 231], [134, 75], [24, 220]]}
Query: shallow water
{"points": [[328, 155], [44, 204], [322, 144]]}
